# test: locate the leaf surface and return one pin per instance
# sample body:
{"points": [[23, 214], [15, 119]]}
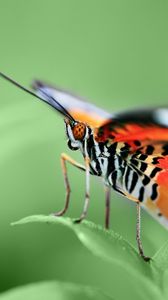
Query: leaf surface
{"points": [[52, 290], [110, 247]]}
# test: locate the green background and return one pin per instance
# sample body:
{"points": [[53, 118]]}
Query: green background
{"points": [[112, 52]]}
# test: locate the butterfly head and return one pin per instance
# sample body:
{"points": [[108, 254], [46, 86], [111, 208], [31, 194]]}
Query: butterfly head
{"points": [[77, 132]]}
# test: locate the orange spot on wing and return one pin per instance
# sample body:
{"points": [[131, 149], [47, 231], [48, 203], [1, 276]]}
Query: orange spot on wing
{"points": [[132, 132], [162, 201], [163, 162], [137, 132], [162, 179], [89, 118]]}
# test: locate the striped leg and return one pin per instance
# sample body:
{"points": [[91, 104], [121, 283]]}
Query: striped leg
{"points": [[138, 233], [65, 158], [107, 206], [87, 196]]}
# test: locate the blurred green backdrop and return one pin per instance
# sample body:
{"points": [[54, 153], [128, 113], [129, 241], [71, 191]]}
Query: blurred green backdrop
{"points": [[112, 52]]}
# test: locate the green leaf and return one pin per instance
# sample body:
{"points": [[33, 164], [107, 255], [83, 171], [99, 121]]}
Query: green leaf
{"points": [[161, 257], [161, 263], [53, 290], [107, 245]]}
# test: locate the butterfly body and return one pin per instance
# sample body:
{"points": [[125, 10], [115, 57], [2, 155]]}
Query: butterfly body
{"points": [[128, 150]]}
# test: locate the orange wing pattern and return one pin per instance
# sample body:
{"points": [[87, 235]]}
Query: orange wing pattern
{"points": [[151, 160], [149, 124], [146, 124], [162, 181]]}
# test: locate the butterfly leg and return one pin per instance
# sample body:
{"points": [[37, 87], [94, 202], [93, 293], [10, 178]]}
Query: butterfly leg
{"points": [[87, 196], [64, 159], [138, 233], [107, 206]]}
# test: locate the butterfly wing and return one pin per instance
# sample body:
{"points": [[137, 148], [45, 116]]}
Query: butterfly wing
{"points": [[146, 124], [145, 178], [145, 171], [78, 108], [127, 126]]}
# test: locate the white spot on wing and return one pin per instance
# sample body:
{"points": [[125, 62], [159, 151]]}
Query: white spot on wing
{"points": [[161, 116]]}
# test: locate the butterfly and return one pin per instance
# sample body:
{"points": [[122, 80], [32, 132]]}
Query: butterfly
{"points": [[129, 150]]}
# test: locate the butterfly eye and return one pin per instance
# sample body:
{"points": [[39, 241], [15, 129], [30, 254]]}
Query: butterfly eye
{"points": [[79, 131]]}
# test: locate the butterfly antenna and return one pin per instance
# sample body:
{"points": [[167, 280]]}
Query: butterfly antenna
{"points": [[59, 107]]}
